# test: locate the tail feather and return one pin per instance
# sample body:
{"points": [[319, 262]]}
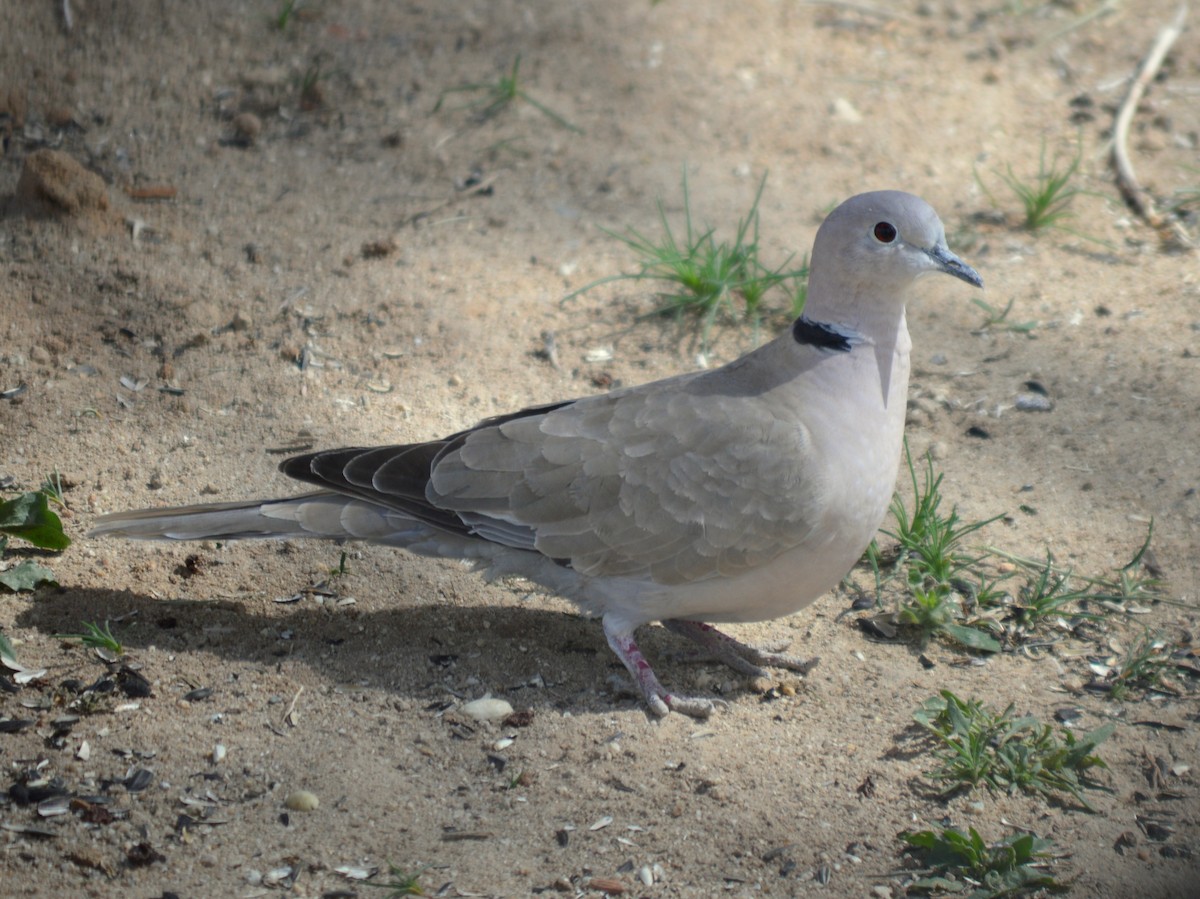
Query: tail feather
{"points": [[321, 515]]}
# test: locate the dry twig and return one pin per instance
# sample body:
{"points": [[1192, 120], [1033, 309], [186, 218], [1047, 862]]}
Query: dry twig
{"points": [[864, 9], [289, 717], [1127, 182]]}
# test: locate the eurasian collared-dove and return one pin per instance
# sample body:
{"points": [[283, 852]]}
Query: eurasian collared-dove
{"points": [[737, 494]]}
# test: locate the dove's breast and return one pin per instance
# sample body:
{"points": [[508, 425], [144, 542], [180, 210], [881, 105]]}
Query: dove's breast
{"points": [[853, 449]]}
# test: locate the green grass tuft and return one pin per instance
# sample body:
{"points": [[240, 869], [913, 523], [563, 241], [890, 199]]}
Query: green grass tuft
{"points": [[976, 745], [499, 95], [938, 570], [401, 882], [708, 278], [955, 861], [95, 636], [1046, 200]]}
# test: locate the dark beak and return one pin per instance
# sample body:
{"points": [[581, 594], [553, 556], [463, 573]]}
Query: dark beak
{"points": [[952, 265]]}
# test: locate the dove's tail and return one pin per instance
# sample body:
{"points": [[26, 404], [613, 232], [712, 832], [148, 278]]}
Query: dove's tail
{"points": [[321, 515]]}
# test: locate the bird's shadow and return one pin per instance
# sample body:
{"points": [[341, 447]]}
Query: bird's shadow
{"points": [[432, 652]]}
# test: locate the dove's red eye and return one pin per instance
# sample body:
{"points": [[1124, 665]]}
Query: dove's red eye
{"points": [[885, 232]]}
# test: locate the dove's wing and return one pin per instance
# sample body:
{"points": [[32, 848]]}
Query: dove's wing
{"points": [[675, 484]]}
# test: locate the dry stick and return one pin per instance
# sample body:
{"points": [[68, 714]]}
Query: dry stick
{"points": [[864, 9], [287, 717], [1108, 7], [1127, 181]]}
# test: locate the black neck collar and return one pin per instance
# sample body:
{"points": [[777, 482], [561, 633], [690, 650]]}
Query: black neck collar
{"points": [[823, 336]]}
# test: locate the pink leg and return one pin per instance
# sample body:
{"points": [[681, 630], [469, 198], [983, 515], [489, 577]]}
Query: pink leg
{"points": [[737, 655], [620, 638]]}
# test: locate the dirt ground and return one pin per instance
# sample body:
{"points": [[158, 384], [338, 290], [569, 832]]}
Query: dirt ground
{"points": [[291, 245]]}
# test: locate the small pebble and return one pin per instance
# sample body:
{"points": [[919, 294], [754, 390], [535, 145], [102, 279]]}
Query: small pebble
{"points": [[60, 116], [1033, 402], [302, 801], [609, 885], [487, 709], [246, 128], [240, 322], [279, 876], [843, 110]]}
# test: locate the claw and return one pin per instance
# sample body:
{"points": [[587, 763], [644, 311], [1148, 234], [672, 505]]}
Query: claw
{"points": [[737, 655], [692, 706]]}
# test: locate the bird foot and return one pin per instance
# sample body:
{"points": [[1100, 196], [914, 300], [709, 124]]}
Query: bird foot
{"points": [[749, 660], [656, 697], [741, 657]]}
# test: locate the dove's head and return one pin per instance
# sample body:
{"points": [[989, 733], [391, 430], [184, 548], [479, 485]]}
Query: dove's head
{"points": [[874, 246]]}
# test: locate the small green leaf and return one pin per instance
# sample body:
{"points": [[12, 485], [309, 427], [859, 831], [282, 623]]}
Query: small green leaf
{"points": [[932, 884], [1080, 755], [29, 517], [26, 576], [921, 839], [972, 638]]}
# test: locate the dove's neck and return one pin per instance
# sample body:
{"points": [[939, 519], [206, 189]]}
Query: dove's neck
{"points": [[881, 328], [859, 307]]}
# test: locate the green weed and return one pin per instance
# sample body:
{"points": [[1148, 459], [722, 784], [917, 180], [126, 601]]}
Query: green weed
{"points": [[978, 745], [706, 277], [997, 319], [286, 10], [401, 882], [1045, 595], [311, 94], [98, 637], [957, 861], [1138, 670], [52, 488], [1184, 201], [936, 612], [941, 577], [28, 517], [930, 540], [341, 567], [1128, 585], [1046, 200], [501, 94], [949, 592]]}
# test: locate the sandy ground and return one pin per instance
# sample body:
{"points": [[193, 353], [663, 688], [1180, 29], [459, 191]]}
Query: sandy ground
{"points": [[353, 265]]}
